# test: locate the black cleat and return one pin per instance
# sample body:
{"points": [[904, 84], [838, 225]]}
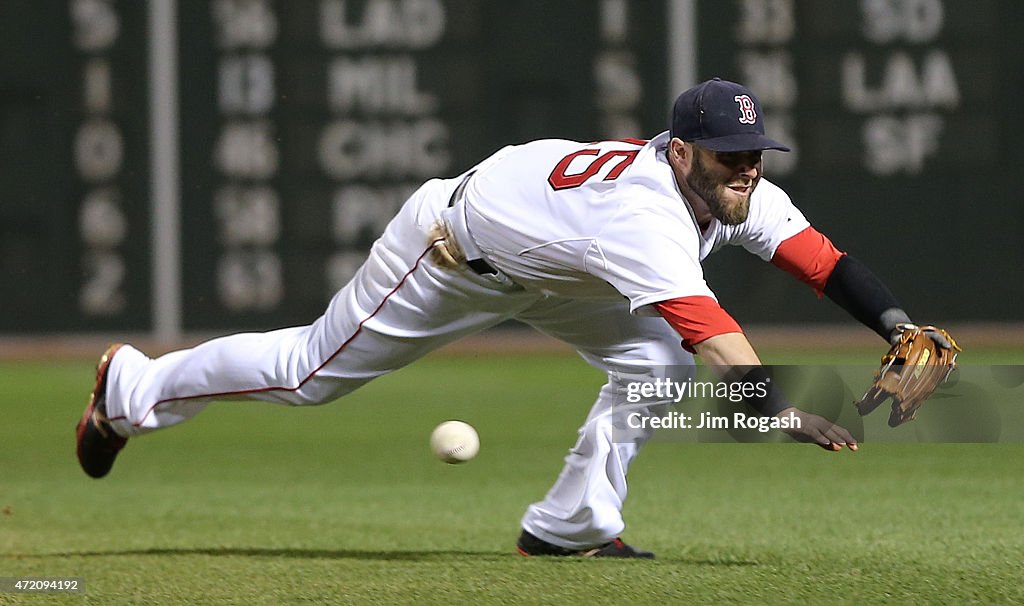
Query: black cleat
{"points": [[98, 445], [529, 545]]}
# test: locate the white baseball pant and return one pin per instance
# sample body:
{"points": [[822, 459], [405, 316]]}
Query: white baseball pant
{"points": [[397, 308]]}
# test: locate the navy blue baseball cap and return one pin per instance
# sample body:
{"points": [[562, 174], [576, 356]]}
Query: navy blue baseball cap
{"points": [[721, 116]]}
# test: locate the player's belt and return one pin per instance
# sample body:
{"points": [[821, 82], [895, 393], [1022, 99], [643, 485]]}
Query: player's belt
{"points": [[478, 265], [481, 267]]}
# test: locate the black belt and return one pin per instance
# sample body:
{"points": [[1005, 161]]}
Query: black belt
{"points": [[481, 267], [478, 266]]}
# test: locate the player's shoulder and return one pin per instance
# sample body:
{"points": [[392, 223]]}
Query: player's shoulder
{"points": [[768, 198], [649, 176], [769, 191], [770, 207]]}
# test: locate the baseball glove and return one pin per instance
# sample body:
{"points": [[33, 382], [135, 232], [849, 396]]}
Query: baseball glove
{"points": [[918, 362]]}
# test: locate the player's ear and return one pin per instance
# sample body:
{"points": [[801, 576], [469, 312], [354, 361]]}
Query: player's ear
{"points": [[678, 151]]}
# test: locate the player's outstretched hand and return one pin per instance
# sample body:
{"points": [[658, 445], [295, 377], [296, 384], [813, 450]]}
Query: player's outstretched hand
{"points": [[819, 430]]}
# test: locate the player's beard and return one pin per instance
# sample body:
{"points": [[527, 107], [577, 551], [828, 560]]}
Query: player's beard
{"points": [[726, 206]]}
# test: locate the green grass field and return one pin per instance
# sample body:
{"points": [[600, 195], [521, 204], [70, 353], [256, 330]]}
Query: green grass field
{"points": [[260, 504]]}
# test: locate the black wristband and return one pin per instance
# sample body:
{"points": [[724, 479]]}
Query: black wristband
{"points": [[760, 392]]}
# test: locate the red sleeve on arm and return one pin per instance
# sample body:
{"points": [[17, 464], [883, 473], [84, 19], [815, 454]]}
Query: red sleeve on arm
{"points": [[697, 319], [809, 257]]}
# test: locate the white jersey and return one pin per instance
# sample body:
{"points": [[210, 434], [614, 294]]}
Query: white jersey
{"points": [[606, 220]]}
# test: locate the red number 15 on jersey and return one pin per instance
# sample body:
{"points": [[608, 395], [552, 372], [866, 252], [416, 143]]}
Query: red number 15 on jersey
{"points": [[559, 179]]}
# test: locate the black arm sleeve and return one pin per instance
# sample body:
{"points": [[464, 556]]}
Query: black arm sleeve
{"points": [[864, 296]]}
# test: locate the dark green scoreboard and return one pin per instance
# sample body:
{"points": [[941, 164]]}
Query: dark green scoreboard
{"points": [[905, 127], [74, 174], [302, 125]]}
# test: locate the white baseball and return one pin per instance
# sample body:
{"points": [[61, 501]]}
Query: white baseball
{"points": [[454, 442]]}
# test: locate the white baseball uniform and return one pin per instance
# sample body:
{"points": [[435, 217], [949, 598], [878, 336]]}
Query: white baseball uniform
{"points": [[584, 238]]}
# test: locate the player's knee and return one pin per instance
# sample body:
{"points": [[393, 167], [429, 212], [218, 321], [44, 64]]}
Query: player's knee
{"points": [[318, 391]]}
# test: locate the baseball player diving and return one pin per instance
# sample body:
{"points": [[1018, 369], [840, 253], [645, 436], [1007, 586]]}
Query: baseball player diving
{"points": [[598, 244]]}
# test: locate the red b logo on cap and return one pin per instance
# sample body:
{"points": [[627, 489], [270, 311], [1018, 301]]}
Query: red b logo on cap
{"points": [[747, 113]]}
